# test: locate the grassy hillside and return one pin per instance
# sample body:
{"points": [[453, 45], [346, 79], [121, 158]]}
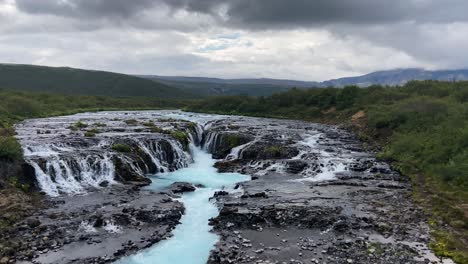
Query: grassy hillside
{"points": [[421, 128], [82, 82], [216, 89], [205, 86]]}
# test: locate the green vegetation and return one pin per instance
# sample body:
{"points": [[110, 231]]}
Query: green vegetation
{"points": [[16, 106], [92, 132], [273, 151], [156, 129], [234, 140], [131, 122], [181, 136], [149, 124], [10, 149], [421, 128], [81, 82], [123, 148]]}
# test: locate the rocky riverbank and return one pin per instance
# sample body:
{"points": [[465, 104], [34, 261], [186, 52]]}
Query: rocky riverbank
{"points": [[315, 195]]}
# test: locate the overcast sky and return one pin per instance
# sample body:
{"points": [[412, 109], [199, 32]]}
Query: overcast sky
{"points": [[295, 39]]}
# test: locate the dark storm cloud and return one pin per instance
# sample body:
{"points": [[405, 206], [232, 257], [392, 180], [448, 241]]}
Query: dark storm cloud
{"points": [[271, 13], [86, 8], [267, 14]]}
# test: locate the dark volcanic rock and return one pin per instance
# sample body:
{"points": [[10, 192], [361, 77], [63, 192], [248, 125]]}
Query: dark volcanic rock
{"points": [[296, 166], [223, 142], [182, 187], [269, 150]]}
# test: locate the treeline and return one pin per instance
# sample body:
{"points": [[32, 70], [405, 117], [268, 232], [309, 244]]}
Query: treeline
{"points": [[421, 127], [16, 106]]}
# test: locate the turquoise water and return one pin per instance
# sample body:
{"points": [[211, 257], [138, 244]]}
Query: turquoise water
{"points": [[192, 240]]}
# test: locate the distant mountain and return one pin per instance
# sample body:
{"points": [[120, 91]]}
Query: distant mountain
{"points": [[88, 82], [66, 80], [213, 86], [398, 77], [263, 87]]}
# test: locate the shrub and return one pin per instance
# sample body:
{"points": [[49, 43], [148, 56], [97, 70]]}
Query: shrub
{"points": [[10, 148]]}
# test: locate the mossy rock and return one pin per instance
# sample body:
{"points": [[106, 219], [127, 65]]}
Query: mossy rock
{"points": [[122, 148]]}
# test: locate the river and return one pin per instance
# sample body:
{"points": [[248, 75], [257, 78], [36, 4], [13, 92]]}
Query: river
{"points": [[192, 240]]}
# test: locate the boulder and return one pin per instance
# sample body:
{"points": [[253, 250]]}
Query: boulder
{"points": [[182, 187], [296, 166]]}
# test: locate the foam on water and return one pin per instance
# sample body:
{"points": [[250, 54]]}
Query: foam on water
{"points": [[192, 240], [331, 164]]}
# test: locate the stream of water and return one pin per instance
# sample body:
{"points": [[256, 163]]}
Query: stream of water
{"points": [[192, 240]]}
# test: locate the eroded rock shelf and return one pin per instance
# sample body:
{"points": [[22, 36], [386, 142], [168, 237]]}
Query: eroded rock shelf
{"points": [[315, 196]]}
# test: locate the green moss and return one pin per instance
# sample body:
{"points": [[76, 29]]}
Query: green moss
{"points": [[181, 136], [234, 140], [156, 129], [131, 122], [92, 133], [123, 148], [80, 125], [273, 150], [149, 124]]}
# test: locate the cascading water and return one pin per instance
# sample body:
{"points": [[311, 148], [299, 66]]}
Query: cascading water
{"points": [[68, 162], [192, 240], [72, 175], [237, 151], [331, 163]]}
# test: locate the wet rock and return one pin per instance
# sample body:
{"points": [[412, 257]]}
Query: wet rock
{"points": [[222, 143], [255, 195], [296, 166], [32, 222], [269, 150], [220, 193], [104, 184], [182, 187], [98, 221]]}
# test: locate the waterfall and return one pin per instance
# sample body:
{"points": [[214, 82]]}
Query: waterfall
{"points": [[210, 141], [331, 164], [72, 175], [68, 162], [154, 153], [67, 170], [236, 152]]}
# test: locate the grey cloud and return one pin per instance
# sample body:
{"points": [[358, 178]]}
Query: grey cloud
{"points": [[266, 14], [86, 8]]}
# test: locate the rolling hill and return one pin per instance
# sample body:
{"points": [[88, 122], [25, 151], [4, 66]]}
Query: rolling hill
{"points": [[64, 80], [214, 86], [264, 87]]}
